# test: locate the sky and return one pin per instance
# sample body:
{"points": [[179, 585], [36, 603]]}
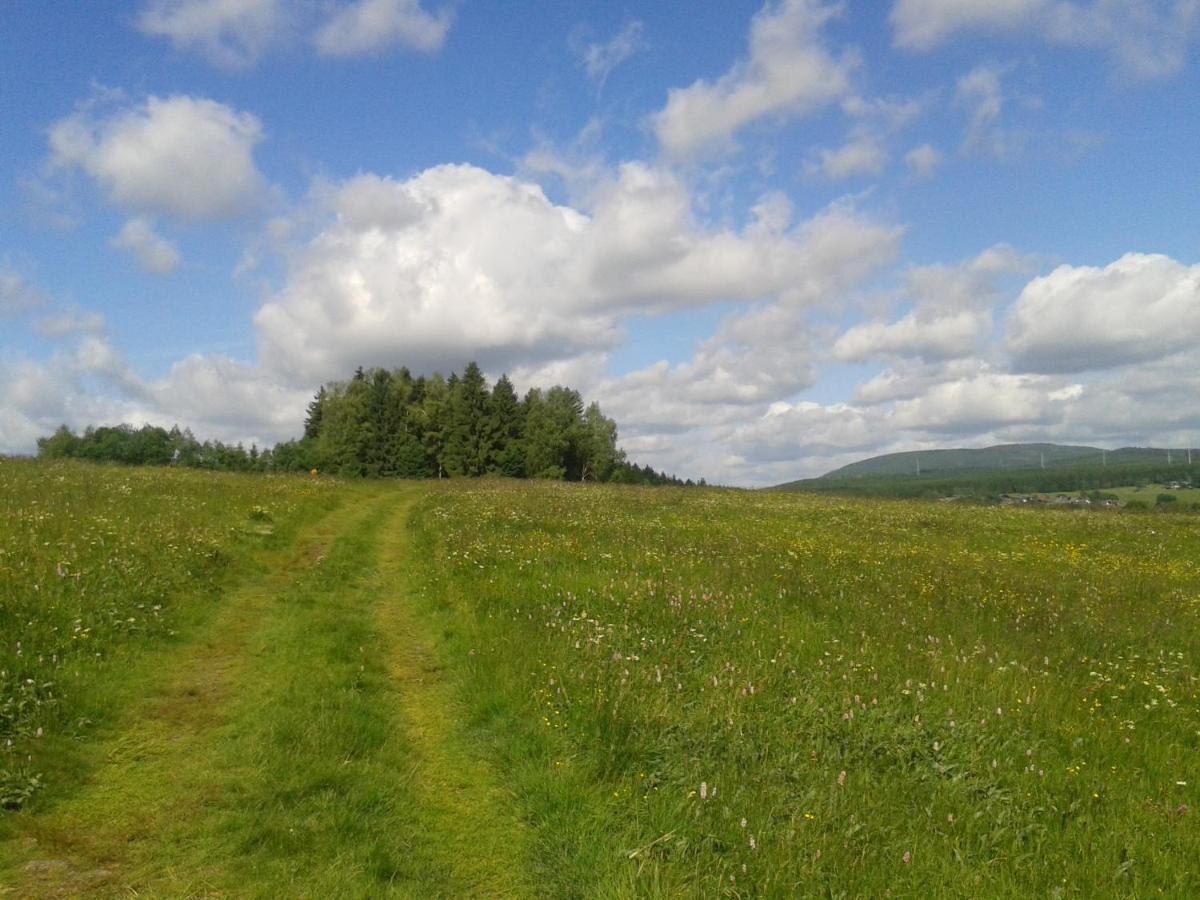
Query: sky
{"points": [[769, 238]]}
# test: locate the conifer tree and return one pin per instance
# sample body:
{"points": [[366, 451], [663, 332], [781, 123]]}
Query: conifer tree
{"points": [[508, 422], [470, 440], [312, 419], [435, 413]]}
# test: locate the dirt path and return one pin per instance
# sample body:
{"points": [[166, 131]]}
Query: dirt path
{"points": [[306, 743], [469, 814]]}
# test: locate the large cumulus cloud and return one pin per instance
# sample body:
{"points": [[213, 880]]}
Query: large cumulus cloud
{"points": [[1141, 307], [459, 262]]}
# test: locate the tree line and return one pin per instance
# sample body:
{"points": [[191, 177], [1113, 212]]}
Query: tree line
{"points": [[388, 423]]}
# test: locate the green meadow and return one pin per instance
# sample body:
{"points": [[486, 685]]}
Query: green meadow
{"points": [[251, 686], [1152, 494]]}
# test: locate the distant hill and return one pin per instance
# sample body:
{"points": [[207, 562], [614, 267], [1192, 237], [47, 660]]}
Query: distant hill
{"points": [[930, 462], [1000, 458]]}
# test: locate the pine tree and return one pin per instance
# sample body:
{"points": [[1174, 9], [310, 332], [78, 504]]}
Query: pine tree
{"points": [[434, 413], [405, 452], [470, 441], [312, 419], [380, 417], [507, 425]]}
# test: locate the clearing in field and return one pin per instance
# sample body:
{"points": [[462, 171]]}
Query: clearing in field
{"points": [[241, 686]]}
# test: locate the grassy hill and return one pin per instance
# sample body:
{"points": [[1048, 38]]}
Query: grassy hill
{"points": [[999, 457], [929, 462], [1011, 468], [261, 687]]}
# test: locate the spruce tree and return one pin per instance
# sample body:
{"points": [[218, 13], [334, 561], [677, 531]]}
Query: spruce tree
{"points": [[507, 423], [470, 441], [312, 419], [434, 414]]}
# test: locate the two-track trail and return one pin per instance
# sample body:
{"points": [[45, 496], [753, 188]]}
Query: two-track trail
{"points": [[306, 742]]}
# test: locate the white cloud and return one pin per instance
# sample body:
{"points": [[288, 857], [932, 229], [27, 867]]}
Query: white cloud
{"points": [[789, 432], [453, 261], [236, 34], [1148, 38], [1140, 308], [36, 398], [646, 250], [754, 358], [981, 94], [863, 156], [923, 161], [231, 400], [933, 337], [963, 402], [984, 401], [951, 311], [95, 355], [69, 322], [459, 262], [1147, 403], [179, 156], [154, 253], [865, 151], [969, 285], [923, 24], [371, 26], [229, 33], [17, 295], [599, 60], [90, 383], [788, 72]]}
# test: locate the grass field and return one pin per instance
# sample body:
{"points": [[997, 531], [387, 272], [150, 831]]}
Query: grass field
{"points": [[514, 689], [1149, 494], [98, 564]]}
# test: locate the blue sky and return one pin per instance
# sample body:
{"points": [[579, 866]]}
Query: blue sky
{"points": [[768, 238]]}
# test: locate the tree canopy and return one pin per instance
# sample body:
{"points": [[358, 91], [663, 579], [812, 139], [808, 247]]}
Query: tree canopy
{"points": [[388, 423]]}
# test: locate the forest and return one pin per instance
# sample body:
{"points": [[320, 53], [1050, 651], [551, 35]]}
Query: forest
{"points": [[388, 423]]}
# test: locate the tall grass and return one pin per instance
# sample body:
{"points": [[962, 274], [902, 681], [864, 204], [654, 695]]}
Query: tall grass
{"points": [[718, 693], [98, 563], [685, 692]]}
